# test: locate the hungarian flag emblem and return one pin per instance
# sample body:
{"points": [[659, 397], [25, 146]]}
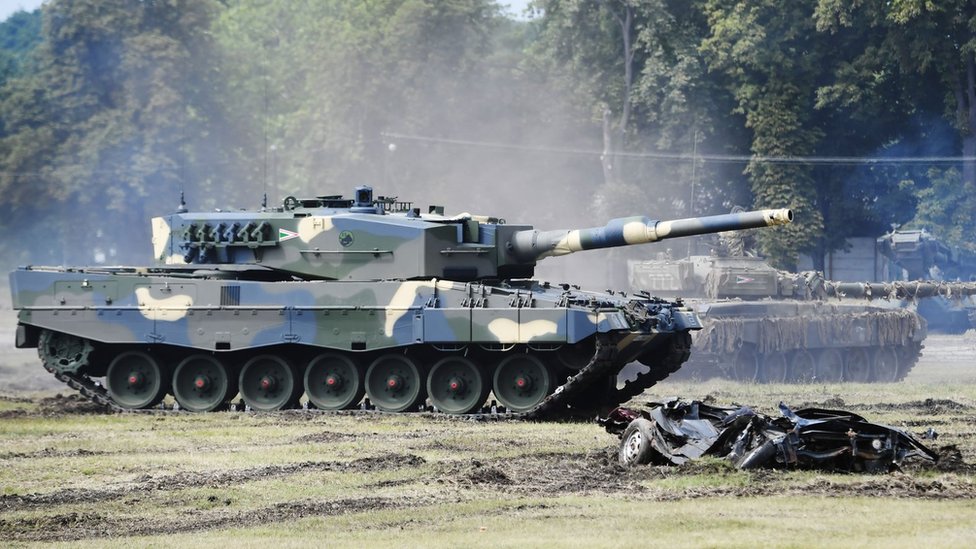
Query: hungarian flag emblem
{"points": [[285, 234]]}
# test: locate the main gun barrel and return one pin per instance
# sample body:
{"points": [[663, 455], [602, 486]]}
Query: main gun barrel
{"points": [[531, 245], [911, 290]]}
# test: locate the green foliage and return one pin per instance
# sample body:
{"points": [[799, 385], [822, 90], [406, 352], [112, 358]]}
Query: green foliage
{"points": [[110, 108], [19, 35], [107, 121], [769, 52], [946, 208], [671, 104], [907, 50]]}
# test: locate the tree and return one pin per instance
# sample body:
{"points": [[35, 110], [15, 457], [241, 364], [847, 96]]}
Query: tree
{"points": [[920, 46], [767, 51], [642, 84], [105, 131], [19, 35]]}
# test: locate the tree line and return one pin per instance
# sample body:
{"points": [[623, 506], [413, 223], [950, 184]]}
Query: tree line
{"points": [[858, 115]]}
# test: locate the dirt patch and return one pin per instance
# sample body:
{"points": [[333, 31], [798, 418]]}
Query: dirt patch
{"points": [[482, 474], [217, 479], [79, 526], [542, 474], [898, 486], [70, 404], [51, 452], [10, 414], [324, 436], [929, 406], [598, 472], [951, 461]]}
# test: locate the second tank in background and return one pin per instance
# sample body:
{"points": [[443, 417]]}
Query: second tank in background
{"points": [[763, 324]]}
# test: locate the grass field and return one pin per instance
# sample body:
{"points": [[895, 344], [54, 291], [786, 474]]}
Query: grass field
{"points": [[72, 474]]}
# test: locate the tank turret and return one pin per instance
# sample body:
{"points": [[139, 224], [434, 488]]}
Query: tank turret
{"points": [[363, 238]]}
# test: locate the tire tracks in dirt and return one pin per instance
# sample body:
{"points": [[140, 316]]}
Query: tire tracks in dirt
{"points": [[217, 479]]}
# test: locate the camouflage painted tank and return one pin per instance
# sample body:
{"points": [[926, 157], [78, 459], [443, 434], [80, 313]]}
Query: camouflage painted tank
{"points": [[339, 298], [762, 324]]}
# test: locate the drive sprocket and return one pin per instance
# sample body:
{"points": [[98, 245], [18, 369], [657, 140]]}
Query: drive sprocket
{"points": [[63, 353]]}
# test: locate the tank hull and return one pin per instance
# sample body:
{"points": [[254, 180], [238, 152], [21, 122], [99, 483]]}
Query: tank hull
{"points": [[203, 335], [804, 341], [765, 325]]}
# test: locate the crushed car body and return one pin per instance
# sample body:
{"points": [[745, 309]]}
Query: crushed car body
{"points": [[676, 431]]}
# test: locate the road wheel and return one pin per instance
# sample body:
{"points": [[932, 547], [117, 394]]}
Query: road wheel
{"points": [[635, 445], [394, 384], [521, 382], [858, 365], [803, 369], [830, 365], [333, 382], [201, 383], [456, 385], [267, 383], [885, 365], [135, 380], [774, 368], [745, 363]]}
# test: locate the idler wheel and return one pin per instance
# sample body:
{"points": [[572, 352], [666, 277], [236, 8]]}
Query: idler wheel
{"points": [[201, 383], [885, 365], [135, 380], [333, 382], [521, 382], [830, 365], [858, 365], [457, 385], [267, 383], [63, 353], [394, 384]]}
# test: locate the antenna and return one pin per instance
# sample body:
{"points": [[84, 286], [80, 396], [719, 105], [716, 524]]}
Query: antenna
{"points": [[694, 164], [182, 156], [264, 203]]}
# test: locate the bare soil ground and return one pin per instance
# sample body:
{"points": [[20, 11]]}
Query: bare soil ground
{"points": [[72, 472]]}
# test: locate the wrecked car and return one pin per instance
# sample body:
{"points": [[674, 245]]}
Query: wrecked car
{"points": [[676, 431]]}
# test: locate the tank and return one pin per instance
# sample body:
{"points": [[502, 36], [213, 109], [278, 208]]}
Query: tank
{"points": [[763, 324], [918, 255], [357, 303]]}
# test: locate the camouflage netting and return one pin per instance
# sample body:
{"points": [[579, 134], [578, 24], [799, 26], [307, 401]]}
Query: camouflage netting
{"points": [[833, 324]]}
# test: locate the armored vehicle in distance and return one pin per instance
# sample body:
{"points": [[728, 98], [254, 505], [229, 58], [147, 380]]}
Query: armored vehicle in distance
{"points": [[923, 257], [339, 298], [763, 324]]}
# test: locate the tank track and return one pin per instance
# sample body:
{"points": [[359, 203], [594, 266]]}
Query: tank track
{"points": [[561, 403], [678, 354], [89, 389], [908, 357]]}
